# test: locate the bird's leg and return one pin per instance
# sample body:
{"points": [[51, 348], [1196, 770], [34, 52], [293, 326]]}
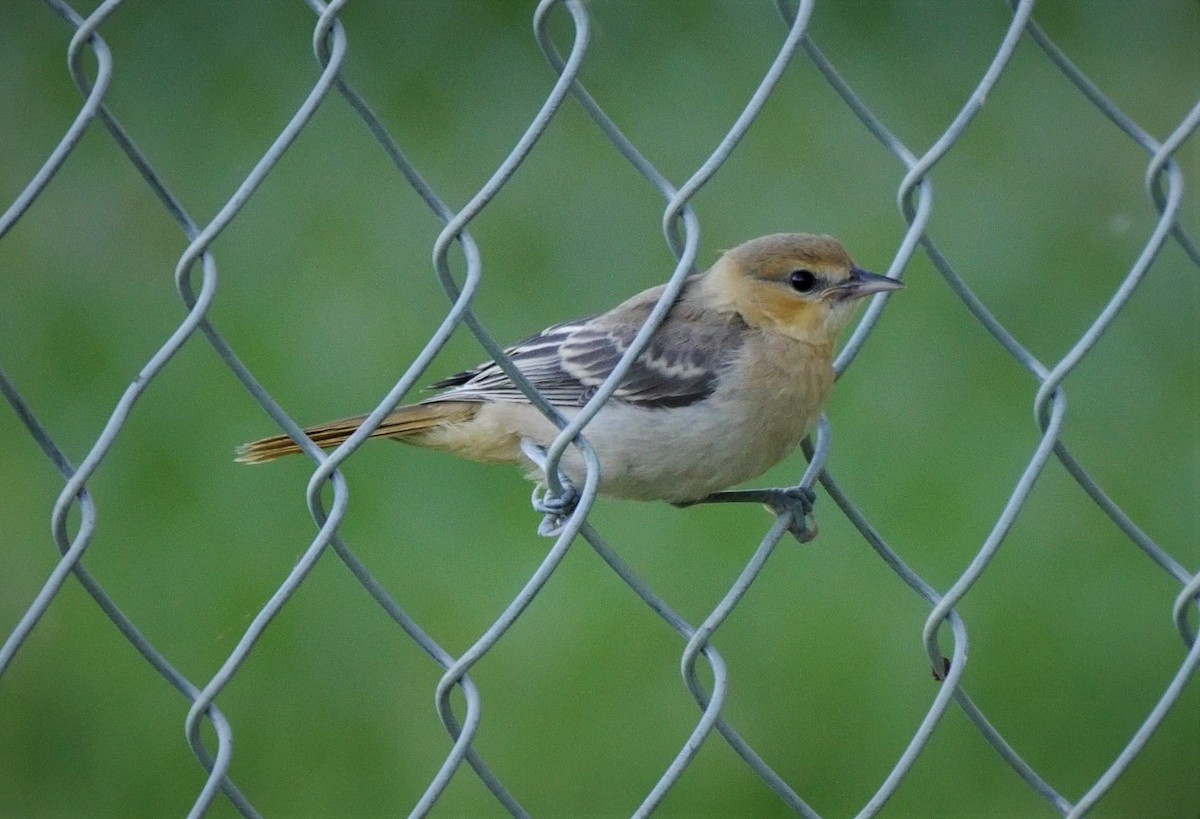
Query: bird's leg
{"points": [[797, 500]]}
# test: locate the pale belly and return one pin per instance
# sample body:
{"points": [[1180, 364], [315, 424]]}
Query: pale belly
{"points": [[678, 454], [681, 454]]}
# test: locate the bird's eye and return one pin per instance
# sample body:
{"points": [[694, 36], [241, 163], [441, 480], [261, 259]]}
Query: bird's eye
{"points": [[802, 281]]}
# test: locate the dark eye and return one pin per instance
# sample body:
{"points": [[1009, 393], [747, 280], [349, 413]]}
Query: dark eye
{"points": [[802, 281]]}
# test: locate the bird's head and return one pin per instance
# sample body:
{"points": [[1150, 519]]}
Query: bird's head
{"points": [[797, 284]]}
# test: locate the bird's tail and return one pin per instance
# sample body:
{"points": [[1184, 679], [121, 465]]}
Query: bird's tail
{"points": [[402, 423]]}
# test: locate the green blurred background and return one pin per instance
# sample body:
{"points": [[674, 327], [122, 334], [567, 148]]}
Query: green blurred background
{"points": [[327, 292]]}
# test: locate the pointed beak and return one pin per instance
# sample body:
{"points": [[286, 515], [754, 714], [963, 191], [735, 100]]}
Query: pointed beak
{"points": [[861, 283]]}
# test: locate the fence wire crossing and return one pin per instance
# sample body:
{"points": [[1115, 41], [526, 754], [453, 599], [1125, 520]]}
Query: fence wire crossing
{"points": [[196, 280]]}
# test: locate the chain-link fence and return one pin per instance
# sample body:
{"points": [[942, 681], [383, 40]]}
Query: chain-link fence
{"points": [[1136, 558]]}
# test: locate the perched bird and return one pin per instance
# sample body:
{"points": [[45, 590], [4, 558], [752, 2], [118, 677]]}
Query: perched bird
{"points": [[730, 383]]}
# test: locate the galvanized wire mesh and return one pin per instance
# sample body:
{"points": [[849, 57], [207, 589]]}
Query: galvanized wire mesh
{"points": [[74, 517]]}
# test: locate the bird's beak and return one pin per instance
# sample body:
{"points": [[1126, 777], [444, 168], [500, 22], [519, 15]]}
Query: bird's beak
{"points": [[861, 283]]}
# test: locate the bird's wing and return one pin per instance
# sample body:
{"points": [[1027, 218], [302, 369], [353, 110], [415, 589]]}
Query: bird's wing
{"points": [[567, 362]]}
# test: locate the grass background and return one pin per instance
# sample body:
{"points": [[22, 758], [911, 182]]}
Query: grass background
{"points": [[326, 291]]}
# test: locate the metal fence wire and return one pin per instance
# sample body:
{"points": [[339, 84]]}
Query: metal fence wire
{"points": [[563, 30]]}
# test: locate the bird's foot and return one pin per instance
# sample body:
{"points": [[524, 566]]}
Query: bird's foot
{"points": [[555, 508], [796, 501]]}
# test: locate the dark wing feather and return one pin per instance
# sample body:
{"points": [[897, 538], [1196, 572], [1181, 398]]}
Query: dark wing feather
{"points": [[567, 362]]}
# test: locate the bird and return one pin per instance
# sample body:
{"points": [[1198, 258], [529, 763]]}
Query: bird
{"points": [[732, 380]]}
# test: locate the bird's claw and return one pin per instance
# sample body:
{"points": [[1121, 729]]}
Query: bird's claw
{"points": [[798, 501], [555, 508]]}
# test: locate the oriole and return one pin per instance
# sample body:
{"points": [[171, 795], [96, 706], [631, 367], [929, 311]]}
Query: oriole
{"points": [[730, 383]]}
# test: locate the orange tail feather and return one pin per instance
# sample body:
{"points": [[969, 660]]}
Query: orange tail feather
{"points": [[403, 422]]}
